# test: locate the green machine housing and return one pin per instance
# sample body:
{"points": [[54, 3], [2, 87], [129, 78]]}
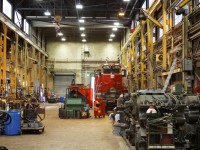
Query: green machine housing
{"points": [[74, 108]]}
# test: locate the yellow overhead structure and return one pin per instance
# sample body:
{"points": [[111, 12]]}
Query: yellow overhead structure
{"points": [[152, 19], [183, 3]]}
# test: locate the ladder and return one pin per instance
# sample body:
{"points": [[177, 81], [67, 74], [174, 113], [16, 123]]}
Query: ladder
{"points": [[169, 75]]}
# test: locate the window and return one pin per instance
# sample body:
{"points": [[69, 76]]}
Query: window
{"points": [[26, 27], [7, 9], [154, 33], [18, 19], [137, 23], [160, 30], [144, 6], [177, 18], [167, 25], [150, 2]]}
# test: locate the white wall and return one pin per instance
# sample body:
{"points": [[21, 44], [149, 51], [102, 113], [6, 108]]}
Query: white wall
{"points": [[71, 51]]}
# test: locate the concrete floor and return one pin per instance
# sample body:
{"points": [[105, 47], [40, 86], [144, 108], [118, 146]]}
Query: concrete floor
{"points": [[68, 134]]}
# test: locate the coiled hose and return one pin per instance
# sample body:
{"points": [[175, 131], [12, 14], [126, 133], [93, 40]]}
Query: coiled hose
{"points": [[5, 118]]}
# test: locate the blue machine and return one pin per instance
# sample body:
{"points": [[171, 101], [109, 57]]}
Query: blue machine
{"points": [[62, 99], [14, 128]]}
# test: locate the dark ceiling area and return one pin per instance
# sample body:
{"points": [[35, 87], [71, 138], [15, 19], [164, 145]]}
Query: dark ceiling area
{"points": [[99, 16]]}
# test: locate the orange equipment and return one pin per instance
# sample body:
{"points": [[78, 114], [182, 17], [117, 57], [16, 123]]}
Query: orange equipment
{"points": [[99, 107], [81, 91]]}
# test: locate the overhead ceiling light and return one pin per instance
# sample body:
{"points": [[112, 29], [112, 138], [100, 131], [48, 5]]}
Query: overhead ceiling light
{"points": [[60, 34], [83, 34], [83, 40], [82, 28], [116, 23], [114, 29], [112, 35], [81, 20], [47, 13], [121, 13], [126, 0], [79, 6], [63, 39], [110, 40]]}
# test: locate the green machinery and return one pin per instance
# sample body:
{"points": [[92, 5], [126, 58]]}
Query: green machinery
{"points": [[74, 108]]}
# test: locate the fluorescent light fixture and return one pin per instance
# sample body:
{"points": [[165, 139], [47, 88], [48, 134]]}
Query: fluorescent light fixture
{"points": [[47, 13], [81, 20], [83, 34], [116, 23], [126, 0], [110, 40], [83, 40], [79, 6], [82, 28], [60, 34], [114, 29], [63, 39], [112, 35]]}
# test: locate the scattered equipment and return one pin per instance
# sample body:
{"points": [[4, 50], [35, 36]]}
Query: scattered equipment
{"points": [[13, 124], [99, 108], [32, 116], [5, 119], [75, 106], [151, 119], [108, 84]]}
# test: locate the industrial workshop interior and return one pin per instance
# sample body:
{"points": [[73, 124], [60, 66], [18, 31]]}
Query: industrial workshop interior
{"points": [[100, 74]]}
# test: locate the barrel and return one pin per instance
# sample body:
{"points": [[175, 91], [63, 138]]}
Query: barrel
{"points": [[14, 128], [62, 99]]}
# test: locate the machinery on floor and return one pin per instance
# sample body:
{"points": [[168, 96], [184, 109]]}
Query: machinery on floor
{"points": [[108, 84], [26, 114], [151, 119], [77, 102], [5, 119], [32, 116]]}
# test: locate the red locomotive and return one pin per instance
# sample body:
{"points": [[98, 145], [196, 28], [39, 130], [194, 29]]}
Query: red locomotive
{"points": [[108, 85]]}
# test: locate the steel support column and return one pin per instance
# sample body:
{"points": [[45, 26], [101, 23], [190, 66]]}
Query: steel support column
{"points": [[142, 59], [164, 44], [5, 30], [150, 48]]}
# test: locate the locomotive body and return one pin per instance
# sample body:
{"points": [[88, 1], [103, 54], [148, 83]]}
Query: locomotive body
{"points": [[108, 84]]}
